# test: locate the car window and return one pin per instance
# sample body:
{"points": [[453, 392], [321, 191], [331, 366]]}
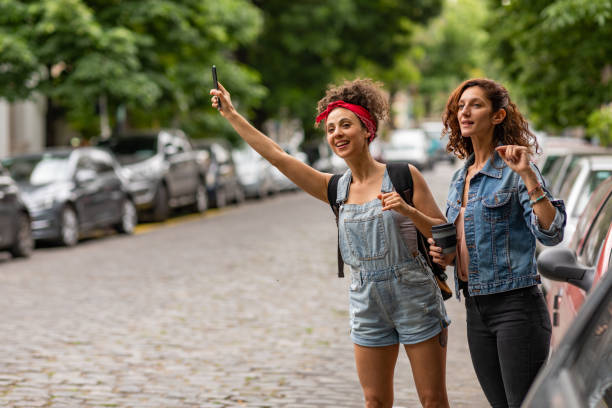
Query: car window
{"points": [[103, 162], [588, 214], [85, 163], [595, 178], [548, 163], [593, 242], [555, 171], [136, 147], [568, 184], [220, 153], [38, 170]]}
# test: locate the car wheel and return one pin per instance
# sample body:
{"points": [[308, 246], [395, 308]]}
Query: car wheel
{"points": [[261, 192], [201, 199], [69, 230], [240, 195], [161, 209], [220, 198], [129, 218], [24, 243]]}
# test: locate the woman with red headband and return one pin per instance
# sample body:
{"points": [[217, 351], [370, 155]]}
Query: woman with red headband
{"points": [[393, 296]]}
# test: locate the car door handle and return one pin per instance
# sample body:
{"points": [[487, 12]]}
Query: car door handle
{"points": [[556, 302]]}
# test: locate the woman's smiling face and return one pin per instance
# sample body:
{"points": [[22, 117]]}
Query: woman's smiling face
{"points": [[345, 133]]}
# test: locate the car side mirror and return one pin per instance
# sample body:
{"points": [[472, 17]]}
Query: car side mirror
{"points": [[560, 264], [170, 150], [84, 175]]}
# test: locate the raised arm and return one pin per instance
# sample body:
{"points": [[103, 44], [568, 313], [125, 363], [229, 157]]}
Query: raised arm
{"points": [[308, 179]]}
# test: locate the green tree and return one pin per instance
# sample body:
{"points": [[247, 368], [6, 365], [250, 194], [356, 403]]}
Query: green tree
{"points": [[152, 57], [450, 50], [558, 54], [307, 45]]}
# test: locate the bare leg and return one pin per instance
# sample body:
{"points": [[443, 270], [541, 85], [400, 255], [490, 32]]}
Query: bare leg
{"points": [[375, 367], [428, 362]]}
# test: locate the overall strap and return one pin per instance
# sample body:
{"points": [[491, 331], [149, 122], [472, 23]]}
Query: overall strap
{"points": [[332, 194]]}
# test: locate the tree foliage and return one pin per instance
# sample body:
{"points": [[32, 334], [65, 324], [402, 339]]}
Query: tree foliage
{"points": [[558, 53], [307, 45], [451, 49], [153, 56]]}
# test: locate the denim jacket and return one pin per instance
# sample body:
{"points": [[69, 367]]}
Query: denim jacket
{"points": [[500, 227]]}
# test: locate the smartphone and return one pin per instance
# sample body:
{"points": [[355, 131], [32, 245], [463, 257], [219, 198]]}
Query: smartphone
{"points": [[216, 83]]}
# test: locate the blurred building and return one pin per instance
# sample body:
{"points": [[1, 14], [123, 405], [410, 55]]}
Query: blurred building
{"points": [[22, 126]]}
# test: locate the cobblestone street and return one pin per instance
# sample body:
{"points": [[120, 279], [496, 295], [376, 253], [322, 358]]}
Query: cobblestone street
{"points": [[238, 308]]}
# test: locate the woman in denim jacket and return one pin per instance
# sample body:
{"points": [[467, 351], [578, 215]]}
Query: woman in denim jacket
{"points": [[393, 297], [500, 206]]}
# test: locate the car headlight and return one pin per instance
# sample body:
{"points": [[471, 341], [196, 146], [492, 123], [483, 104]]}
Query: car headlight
{"points": [[43, 203]]}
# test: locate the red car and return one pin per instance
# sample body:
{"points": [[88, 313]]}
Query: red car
{"points": [[576, 269]]}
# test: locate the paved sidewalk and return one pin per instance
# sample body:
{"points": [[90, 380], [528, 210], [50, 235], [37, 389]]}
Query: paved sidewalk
{"points": [[242, 309]]}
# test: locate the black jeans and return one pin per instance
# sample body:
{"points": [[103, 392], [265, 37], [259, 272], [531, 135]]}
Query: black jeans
{"points": [[509, 338]]}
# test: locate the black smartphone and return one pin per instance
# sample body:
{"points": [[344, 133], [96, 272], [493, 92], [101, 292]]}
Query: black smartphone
{"points": [[216, 83]]}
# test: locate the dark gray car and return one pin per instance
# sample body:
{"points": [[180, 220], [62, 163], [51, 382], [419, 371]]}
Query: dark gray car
{"points": [[15, 230], [69, 192]]}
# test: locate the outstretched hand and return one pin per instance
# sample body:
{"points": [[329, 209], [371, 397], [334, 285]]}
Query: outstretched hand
{"points": [[226, 101], [437, 256], [393, 201], [516, 157]]}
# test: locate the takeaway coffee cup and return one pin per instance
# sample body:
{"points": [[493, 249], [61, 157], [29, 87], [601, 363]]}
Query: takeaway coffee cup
{"points": [[445, 236]]}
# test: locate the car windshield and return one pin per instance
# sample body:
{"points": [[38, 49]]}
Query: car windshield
{"points": [[132, 148], [407, 141], [38, 170], [594, 180]]}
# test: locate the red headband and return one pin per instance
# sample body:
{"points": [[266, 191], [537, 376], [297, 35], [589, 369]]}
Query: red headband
{"points": [[361, 112]]}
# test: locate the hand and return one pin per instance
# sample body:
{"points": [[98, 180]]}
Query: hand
{"points": [[393, 201], [226, 103], [437, 256], [516, 157]]}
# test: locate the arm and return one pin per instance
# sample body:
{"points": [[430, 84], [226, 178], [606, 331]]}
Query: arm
{"points": [[546, 217], [308, 179], [424, 213]]}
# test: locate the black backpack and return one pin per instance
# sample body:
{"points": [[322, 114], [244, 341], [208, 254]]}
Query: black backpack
{"points": [[401, 178]]}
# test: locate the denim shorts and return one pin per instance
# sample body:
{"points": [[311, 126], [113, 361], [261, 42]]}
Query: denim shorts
{"points": [[401, 304]]}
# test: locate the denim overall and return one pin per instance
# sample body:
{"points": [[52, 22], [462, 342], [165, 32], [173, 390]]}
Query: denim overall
{"points": [[393, 295]]}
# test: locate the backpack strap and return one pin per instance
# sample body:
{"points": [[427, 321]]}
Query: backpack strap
{"points": [[332, 195], [401, 178]]}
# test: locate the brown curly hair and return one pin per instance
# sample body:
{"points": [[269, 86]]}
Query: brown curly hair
{"points": [[362, 92], [512, 130]]}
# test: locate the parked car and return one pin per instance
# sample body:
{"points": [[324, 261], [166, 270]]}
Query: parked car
{"points": [[162, 171], [588, 173], [222, 182], [329, 162], [255, 173], [583, 179], [408, 146], [283, 182], [15, 221], [555, 148], [579, 372], [438, 142], [72, 191], [557, 174], [575, 269]]}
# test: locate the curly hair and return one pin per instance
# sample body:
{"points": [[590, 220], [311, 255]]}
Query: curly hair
{"points": [[362, 92], [514, 129]]}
